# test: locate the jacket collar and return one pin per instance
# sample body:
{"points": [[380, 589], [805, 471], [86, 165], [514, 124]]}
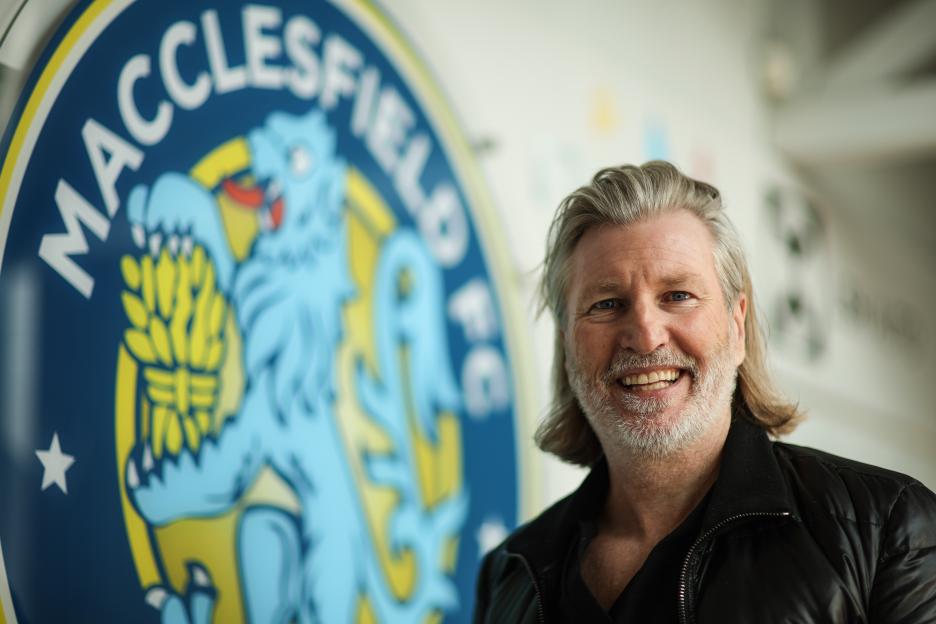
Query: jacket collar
{"points": [[749, 480]]}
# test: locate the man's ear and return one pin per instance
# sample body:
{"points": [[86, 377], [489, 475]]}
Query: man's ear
{"points": [[738, 318]]}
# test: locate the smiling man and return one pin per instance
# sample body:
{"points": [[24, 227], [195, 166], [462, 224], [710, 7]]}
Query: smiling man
{"points": [[690, 512]]}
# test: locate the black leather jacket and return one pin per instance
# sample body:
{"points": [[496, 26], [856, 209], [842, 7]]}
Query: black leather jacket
{"points": [[790, 534]]}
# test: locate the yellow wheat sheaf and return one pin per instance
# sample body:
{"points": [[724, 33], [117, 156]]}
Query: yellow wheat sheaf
{"points": [[176, 333]]}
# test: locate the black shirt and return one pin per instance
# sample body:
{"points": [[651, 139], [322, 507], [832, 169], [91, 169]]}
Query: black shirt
{"points": [[650, 596]]}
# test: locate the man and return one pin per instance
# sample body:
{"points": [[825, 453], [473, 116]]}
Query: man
{"points": [[690, 513]]}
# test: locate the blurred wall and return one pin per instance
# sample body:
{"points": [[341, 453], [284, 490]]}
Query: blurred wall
{"points": [[550, 91]]}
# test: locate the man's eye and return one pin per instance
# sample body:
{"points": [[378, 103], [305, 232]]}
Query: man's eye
{"points": [[679, 295]]}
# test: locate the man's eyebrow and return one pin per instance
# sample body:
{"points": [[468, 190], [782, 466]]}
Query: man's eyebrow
{"points": [[680, 279], [603, 286]]}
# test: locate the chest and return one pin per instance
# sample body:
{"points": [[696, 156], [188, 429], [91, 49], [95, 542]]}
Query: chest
{"points": [[761, 572], [608, 566], [777, 574]]}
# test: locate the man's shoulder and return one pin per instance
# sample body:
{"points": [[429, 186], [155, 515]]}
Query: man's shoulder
{"points": [[532, 549], [860, 493], [542, 540], [807, 458], [541, 530]]}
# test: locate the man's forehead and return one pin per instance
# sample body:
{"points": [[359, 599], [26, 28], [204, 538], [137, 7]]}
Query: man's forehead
{"points": [[674, 236], [672, 250]]}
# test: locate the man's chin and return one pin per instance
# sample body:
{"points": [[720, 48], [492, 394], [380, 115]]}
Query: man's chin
{"points": [[652, 410], [647, 427], [658, 434]]}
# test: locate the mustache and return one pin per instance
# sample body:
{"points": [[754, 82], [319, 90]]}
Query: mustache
{"points": [[624, 361]]}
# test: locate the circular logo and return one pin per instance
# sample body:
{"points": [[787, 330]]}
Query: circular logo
{"points": [[255, 365]]}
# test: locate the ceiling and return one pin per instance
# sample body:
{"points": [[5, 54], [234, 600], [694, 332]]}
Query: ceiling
{"points": [[853, 86]]}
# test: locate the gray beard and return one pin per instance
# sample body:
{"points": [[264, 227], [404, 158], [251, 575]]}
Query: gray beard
{"points": [[633, 423]]}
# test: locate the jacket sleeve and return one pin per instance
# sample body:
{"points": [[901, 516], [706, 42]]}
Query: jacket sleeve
{"points": [[483, 588], [904, 588]]}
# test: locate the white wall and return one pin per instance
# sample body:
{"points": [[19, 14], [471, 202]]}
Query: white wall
{"points": [[871, 394], [556, 90]]}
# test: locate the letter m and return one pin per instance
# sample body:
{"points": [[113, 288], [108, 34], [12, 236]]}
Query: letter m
{"points": [[57, 249]]}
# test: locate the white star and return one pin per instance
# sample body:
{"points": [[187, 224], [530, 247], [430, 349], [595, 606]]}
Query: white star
{"points": [[54, 465], [490, 534]]}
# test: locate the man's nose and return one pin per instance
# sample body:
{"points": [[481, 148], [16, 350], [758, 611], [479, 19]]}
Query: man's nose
{"points": [[644, 328]]}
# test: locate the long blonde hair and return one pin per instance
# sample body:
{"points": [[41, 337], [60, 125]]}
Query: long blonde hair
{"points": [[625, 195]]}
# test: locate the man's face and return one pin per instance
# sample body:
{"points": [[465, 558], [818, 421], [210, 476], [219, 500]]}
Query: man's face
{"points": [[652, 348]]}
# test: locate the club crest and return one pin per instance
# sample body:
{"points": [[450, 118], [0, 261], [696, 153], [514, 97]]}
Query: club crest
{"points": [[260, 368]]}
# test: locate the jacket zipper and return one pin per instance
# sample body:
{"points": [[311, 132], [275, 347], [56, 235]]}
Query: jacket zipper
{"points": [[539, 596], [683, 581]]}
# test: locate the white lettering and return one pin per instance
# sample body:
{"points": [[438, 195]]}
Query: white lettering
{"points": [[406, 177], [391, 122], [442, 223], [484, 382], [146, 132], [261, 47], [226, 78], [303, 78], [473, 307], [364, 102], [98, 141], [56, 249], [188, 96], [339, 57]]}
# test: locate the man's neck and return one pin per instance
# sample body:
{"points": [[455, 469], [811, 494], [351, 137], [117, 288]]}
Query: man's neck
{"points": [[650, 496]]}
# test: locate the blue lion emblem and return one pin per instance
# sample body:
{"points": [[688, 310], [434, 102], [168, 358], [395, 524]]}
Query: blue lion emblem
{"points": [[287, 296]]}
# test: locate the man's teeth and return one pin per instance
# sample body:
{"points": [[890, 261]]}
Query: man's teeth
{"points": [[652, 381]]}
